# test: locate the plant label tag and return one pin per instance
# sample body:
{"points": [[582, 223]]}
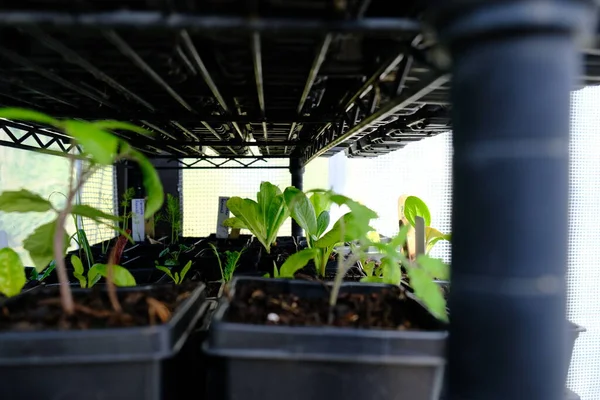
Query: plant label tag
{"points": [[419, 235], [138, 226], [3, 239], [222, 231]]}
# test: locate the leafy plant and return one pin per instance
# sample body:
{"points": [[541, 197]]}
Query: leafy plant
{"points": [[121, 276], [232, 259], [177, 277], [415, 207], [99, 147], [172, 216], [173, 255], [263, 217], [312, 214], [126, 198]]}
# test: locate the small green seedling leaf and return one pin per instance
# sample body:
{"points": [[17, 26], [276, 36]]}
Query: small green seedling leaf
{"points": [[98, 143], [78, 271], [185, 270], [320, 201], [390, 271], [302, 210], [167, 271], [155, 195], [435, 267], [121, 276], [322, 223], [22, 201], [413, 207], [22, 114], [295, 262], [92, 213], [428, 292], [12, 273], [234, 223], [40, 245]]}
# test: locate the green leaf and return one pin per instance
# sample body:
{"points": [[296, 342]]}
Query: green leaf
{"points": [[371, 279], [276, 214], [295, 262], [361, 211], [435, 267], [78, 271], [22, 114], [234, 223], [349, 227], [322, 223], [155, 195], [23, 201], [124, 126], [121, 276], [320, 201], [390, 271], [98, 143], [413, 207], [12, 273], [432, 236], [166, 271], [185, 270], [248, 211], [93, 276], [428, 292], [85, 245], [177, 278], [275, 270], [47, 271], [369, 267], [40, 245], [92, 213], [301, 210]]}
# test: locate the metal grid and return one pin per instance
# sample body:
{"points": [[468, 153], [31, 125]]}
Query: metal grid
{"points": [[99, 192]]}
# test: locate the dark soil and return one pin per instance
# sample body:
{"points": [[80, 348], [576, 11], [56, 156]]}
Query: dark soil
{"points": [[212, 289], [41, 309], [256, 303]]}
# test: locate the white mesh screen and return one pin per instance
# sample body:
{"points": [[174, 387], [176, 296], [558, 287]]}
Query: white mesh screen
{"points": [[99, 192]]}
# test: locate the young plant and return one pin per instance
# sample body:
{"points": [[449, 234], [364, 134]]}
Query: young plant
{"points": [[263, 217], [173, 255], [415, 207], [177, 277], [125, 204], [12, 273], [121, 276], [312, 214], [232, 259], [172, 216], [99, 147]]}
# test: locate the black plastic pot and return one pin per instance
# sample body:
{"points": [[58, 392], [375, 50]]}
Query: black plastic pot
{"points": [[98, 363], [256, 362]]}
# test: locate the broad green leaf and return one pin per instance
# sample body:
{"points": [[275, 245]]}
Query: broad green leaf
{"points": [[78, 271], [121, 276], [276, 214], [155, 195], [124, 126], [12, 273], [98, 143], [390, 271], [360, 211], [295, 262], [435, 267], [90, 212], [248, 212], [322, 223], [40, 245], [22, 114], [23, 201], [373, 237], [93, 276], [432, 236], [369, 267], [413, 207], [234, 223], [428, 292], [166, 271], [301, 210], [348, 227], [185, 270], [320, 202]]}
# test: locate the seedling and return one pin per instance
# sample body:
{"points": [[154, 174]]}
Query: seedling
{"points": [[121, 276], [99, 148], [173, 255], [172, 216], [232, 259], [125, 204], [263, 217], [415, 207], [177, 277]]}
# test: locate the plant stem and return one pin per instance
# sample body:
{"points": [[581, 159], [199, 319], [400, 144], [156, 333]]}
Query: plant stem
{"points": [[110, 285]]}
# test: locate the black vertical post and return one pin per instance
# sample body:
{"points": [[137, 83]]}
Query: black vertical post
{"points": [[514, 64], [297, 172]]}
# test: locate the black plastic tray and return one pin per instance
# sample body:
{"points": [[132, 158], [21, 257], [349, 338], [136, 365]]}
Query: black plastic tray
{"points": [[293, 363], [95, 364]]}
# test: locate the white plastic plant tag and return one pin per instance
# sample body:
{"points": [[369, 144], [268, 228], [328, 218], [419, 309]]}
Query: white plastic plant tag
{"points": [[3, 239], [419, 235], [222, 231], [138, 227]]}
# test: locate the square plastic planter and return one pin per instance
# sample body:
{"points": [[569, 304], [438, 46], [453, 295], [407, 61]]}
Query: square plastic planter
{"points": [[124, 363], [256, 362]]}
